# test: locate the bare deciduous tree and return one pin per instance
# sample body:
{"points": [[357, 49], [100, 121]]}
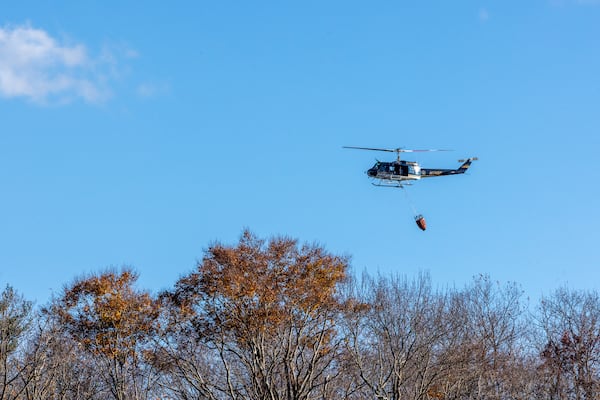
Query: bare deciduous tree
{"points": [[57, 367], [489, 353], [395, 339], [15, 316], [570, 322]]}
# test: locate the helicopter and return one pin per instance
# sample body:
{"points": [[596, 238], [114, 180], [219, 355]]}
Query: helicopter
{"points": [[400, 173]]}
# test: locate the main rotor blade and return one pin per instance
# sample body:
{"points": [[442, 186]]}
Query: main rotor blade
{"points": [[398, 150], [420, 151], [369, 148]]}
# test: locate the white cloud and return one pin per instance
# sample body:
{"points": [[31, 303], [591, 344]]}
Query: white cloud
{"points": [[36, 66]]}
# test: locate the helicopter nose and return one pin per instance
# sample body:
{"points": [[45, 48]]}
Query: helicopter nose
{"points": [[372, 172]]}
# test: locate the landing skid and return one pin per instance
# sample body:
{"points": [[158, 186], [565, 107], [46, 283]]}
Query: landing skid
{"points": [[397, 185]]}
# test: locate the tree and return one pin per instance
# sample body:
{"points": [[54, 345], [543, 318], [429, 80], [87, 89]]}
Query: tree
{"points": [[56, 367], [394, 335], [15, 314], [490, 351], [267, 312], [570, 322], [112, 321]]}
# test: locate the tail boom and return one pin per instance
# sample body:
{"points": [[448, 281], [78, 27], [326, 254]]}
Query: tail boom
{"points": [[429, 172]]}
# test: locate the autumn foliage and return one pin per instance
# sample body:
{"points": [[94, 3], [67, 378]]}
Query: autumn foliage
{"points": [[107, 315], [260, 284], [269, 308]]}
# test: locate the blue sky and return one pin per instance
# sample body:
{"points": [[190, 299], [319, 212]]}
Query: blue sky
{"points": [[138, 136]]}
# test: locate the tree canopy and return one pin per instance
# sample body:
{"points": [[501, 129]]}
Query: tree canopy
{"points": [[280, 320]]}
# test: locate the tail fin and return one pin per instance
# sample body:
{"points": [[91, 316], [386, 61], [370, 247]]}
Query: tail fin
{"points": [[466, 164]]}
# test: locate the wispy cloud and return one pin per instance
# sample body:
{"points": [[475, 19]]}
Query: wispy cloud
{"points": [[484, 15], [36, 66], [151, 89]]}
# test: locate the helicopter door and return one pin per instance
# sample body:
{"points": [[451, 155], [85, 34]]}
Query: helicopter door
{"points": [[404, 169]]}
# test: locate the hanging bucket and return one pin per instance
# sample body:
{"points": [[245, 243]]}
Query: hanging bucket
{"points": [[421, 222]]}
